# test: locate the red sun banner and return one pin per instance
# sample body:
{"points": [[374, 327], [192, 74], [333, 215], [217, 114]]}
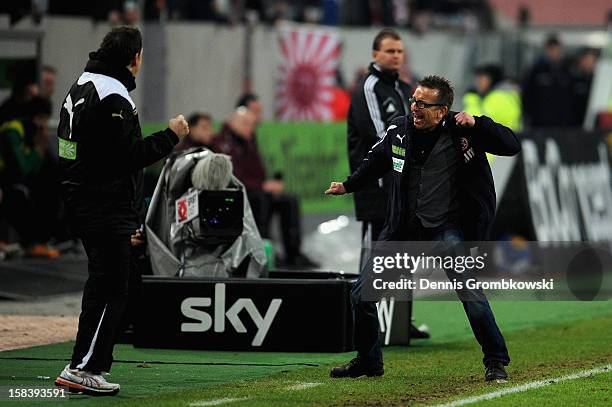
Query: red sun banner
{"points": [[307, 75]]}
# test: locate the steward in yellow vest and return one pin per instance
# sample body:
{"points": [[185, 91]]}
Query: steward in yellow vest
{"points": [[494, 97]]}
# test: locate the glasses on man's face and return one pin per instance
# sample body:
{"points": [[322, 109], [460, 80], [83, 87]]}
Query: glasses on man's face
{"points": [[423, 105]]}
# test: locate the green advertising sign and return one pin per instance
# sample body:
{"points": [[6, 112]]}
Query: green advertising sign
{"points": [[309, 155]]}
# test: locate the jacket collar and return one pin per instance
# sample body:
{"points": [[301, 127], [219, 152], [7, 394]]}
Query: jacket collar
{"points": [[384, 74], [446, 123], [121, 73]]}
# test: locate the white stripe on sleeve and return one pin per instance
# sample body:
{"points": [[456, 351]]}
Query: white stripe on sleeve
{"points": [[373, 108]]}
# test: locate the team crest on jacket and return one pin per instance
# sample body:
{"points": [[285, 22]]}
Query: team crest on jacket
{"points": [[468, 152]]}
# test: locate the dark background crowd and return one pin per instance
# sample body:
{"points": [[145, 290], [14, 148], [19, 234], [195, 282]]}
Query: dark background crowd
{"points": [[416, 14], [551, 93]]}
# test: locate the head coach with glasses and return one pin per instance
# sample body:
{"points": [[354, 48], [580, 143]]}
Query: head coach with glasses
{"points": [[379, 97], [442, 190]]}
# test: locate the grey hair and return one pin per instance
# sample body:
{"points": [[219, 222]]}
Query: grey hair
{"points": [[213, 171]]}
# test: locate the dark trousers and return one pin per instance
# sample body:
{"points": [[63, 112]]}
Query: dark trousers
{"points": [[104, 300], [474, 302], [370, 231], [264, 205]]}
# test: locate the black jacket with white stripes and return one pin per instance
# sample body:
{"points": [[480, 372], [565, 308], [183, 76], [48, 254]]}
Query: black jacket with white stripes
{"points": [[476, 195], [379, 98], [102, 152]]}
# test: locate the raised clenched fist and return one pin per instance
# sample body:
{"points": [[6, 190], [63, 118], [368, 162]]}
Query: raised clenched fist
{"points": [[179, 126], [464, 119]]}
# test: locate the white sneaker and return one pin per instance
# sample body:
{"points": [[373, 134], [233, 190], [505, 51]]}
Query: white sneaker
{"points": [[79, 381]]}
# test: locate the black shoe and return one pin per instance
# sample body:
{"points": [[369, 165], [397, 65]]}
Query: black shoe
{"points": [[416, 333], [358, 367], [495, 370]]}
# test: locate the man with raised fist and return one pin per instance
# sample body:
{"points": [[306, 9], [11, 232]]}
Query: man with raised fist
{"points": [[102, 155]]}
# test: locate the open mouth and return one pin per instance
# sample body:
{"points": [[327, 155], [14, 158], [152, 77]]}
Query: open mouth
{"points": [[418, 119]]}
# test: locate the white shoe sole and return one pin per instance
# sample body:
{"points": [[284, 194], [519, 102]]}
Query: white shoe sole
{"points": [[79, 388]]}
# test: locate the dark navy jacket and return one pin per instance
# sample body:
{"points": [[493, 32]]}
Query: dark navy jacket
{"points": [[476, 192]]}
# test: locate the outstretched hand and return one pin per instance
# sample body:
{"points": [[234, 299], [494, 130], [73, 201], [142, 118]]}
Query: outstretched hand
{"points": [[336, 188]]}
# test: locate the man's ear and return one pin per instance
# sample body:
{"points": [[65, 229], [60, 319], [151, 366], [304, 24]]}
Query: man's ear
{"points": [[444, 110], [134, 60]]}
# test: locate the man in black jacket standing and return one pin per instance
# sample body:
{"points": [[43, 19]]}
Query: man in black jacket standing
{"points": [[102, 155], [380, 97], [441, 190]]}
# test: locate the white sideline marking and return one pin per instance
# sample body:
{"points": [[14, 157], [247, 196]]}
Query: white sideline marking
{"points": [[216, 402], [302, 386], [528, 386]]}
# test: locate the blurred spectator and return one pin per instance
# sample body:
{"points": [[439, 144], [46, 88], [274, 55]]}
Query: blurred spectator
{"points": [[356, 12], [465, 14], [308, 11], [358, 78], [201, 132], [72, 7], [251, 102], [154, 9], [582, 77], [23, 77], [341, 99], [382, 12], [279, 11], [603, 121], [116, 12], [238, 140], [131, 12], [400, 12], [16, 9], [24, 145], [255, 10], [201, 10], [47, 81], [331, 12], [495, 97], [368, 12], [546, 90]]}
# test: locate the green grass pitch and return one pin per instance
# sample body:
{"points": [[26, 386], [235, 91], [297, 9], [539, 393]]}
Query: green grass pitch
{"points": [[546, 340]]}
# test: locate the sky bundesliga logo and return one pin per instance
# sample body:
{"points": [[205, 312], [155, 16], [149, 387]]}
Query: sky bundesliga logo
{"points": [[190, 305]]}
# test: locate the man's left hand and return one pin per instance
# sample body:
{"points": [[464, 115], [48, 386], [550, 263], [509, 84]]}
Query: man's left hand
{"points": [[464, 119]]}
